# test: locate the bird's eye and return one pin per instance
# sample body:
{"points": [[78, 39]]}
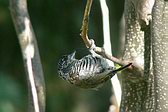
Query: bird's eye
{"points": [[65, 58]]}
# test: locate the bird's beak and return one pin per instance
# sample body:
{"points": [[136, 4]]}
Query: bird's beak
{"points": [[73, 55]]}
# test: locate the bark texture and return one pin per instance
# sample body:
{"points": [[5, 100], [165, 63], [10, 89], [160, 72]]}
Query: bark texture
{"points": [[160, 54], [148, 46], [132, 86]]}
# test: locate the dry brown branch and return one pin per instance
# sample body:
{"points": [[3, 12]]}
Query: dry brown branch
{"points": [[85, 24]]}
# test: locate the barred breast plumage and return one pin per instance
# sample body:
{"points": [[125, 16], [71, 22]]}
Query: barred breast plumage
{"points": [[88, 72]]}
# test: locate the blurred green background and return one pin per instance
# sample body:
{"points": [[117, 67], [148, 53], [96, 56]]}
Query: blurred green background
{"points": [[57, 26]]}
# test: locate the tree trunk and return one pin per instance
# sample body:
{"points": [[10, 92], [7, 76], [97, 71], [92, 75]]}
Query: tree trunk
{"points": [[133, 88], [146, 91], [160, 54]]}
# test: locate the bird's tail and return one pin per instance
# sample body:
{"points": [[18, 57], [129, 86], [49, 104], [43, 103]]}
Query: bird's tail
{"points": [[121, 68]]}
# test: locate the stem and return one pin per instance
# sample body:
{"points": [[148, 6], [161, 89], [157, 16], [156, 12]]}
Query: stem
{"points": [[85, 24]]}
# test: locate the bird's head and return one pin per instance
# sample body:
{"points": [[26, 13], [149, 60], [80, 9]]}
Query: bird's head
{"points": [[65, 62]]}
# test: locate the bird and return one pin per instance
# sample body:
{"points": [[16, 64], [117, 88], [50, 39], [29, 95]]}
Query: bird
{"points": [[91, 71]]}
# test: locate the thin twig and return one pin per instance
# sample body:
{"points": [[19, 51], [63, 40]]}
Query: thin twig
{"points": [[85, 24], [30, 54]]}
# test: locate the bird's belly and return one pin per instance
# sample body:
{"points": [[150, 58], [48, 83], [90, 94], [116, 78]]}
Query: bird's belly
{"points": [[89, 80]]}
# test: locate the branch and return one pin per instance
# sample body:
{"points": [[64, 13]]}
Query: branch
{"points": [[85, 24], [30, 54]]}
